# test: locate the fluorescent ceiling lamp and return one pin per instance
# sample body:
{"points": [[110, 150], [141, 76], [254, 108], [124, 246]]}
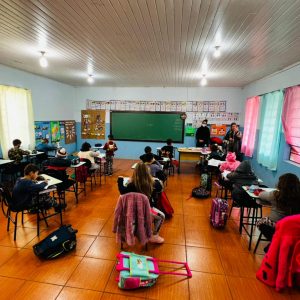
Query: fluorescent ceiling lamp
{"points": [[90, 79], [43, 60], [203, 81], [217, 52]]}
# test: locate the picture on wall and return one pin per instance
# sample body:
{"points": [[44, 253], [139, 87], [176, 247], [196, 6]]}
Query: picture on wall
{"points": [[70, 132], [218, 129], [93, 124], [42, 130], [55, 131]]}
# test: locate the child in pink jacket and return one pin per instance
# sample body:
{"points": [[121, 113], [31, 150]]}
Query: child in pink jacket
{"points": [[230, 164]]}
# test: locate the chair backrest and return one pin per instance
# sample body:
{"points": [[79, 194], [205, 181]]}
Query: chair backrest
{"points": [[98, 145], [88, 163], [6, 196], [58, 174]]}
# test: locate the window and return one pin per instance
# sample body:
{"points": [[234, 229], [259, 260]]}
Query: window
{"points": [[16, 118], [250, 125], [291, 121], [270, 126]]}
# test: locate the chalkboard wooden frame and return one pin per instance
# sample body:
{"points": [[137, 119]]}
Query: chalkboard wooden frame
{"points": [[147, 112]]}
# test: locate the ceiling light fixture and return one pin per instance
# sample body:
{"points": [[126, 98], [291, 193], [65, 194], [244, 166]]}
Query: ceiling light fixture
{"points": [[43, 60], [90, 79], [203, 80], [217, 52]]}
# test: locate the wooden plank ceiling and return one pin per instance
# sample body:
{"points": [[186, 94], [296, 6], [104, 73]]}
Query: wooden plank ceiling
{"points": [[151, 42]]}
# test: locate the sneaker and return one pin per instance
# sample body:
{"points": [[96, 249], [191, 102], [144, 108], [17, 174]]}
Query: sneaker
{"points": [[156, 239]]}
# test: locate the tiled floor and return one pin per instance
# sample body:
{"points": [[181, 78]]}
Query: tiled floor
{"points": [[221, 264]]}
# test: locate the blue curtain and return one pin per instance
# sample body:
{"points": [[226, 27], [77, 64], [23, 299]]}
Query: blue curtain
{"points": [[270, 128]]}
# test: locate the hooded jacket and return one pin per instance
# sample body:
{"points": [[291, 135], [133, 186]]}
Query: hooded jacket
{"points": [[231, 163], [243, 175]]}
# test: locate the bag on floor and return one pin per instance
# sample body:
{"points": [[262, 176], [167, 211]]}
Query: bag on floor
{"points": [[142, 271], [205, 181], [164, 205], [200, 192], [60, 241], [219, 212]]}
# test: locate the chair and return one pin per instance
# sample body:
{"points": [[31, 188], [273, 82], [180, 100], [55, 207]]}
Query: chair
{"points": [[91, 173], [244, 201], [9, 201], [136, 206], [66, 184], [260, 238]]}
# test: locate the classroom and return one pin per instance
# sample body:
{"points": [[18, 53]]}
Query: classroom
{"points": [[140, 129]]}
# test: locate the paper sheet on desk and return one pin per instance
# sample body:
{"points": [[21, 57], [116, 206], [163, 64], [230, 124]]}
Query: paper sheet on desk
{"points": [[214, 162], [225, 173]]}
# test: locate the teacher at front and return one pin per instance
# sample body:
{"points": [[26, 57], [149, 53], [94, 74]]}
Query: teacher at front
{"points": [[203, 135]]}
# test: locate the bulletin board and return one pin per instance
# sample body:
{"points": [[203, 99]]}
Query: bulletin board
{"points": [[93, 124], [218, 130]]}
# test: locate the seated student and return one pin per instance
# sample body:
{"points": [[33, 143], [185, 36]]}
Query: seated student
{"points": [[285, 201], [216, 153], [168, 150], [230, 164], [45, 147], [154, 166], [16, 154], [25, 187], [243, 175], [60, 163], [147, 151], [142, 182], [86, 153]]}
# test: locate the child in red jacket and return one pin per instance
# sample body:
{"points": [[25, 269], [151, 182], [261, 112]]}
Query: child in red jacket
{"points": [[110, 147]]}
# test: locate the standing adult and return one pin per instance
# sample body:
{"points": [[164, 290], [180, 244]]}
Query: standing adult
{"points": [[203, 135], [233, 141]]}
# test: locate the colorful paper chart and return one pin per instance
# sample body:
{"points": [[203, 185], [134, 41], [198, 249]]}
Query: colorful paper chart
{"points": [[55, 131], [93, 124], [70, 132]]}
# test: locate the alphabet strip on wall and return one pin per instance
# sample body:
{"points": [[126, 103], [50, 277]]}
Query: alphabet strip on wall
{"points": [[214, 111]]}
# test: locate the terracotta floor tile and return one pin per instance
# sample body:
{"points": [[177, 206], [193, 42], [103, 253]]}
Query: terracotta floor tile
{"points": [[90, 226], [208, 286], [25, 258], [9, 287], [173, 235], [169, 287], [56, 271], [24, 236], [196, 222], [175, 221], [204, 260], [167, 252], [253, 289], [107, 229], [96, 272], [105, 248], [200, 238], [240, 264], [107, 296], [229, 241], [78, 294], [35, 291], [6, 253], [196, 211]]}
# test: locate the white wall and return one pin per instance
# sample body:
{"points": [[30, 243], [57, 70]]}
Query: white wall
{"points": [[233, 96], [51, 100], [280, 80]]}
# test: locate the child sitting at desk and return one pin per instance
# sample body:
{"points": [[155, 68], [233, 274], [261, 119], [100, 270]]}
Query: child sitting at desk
{"points": [[16, 154], [215, 153], [86, 153], [148, 150], [156, 169], [110, 148], [142, 182], [25, 187], [230, 164], [168, 150], [285, 201]]}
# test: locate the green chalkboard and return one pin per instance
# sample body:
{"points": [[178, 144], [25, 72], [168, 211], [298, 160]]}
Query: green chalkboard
{"points": [[147, 126]]}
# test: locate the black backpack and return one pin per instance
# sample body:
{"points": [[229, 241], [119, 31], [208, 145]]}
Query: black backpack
{"points": [[58, 242], [200, 192]]}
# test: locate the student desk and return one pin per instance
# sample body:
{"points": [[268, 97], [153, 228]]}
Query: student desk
{"points": [[50, 187], [76, 182], [191, 154], [251, 220]]}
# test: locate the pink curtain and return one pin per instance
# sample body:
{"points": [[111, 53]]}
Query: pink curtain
{"points": [[291, 116], [250, 125]]}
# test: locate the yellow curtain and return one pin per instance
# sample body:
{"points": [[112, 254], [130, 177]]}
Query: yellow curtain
{"points": [[16, 118]]}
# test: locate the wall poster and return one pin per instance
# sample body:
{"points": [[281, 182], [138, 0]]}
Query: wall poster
{"points": [[93, 124]]}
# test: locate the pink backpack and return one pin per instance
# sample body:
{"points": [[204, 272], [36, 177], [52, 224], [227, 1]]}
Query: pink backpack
{"points": [[219, 212]]}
